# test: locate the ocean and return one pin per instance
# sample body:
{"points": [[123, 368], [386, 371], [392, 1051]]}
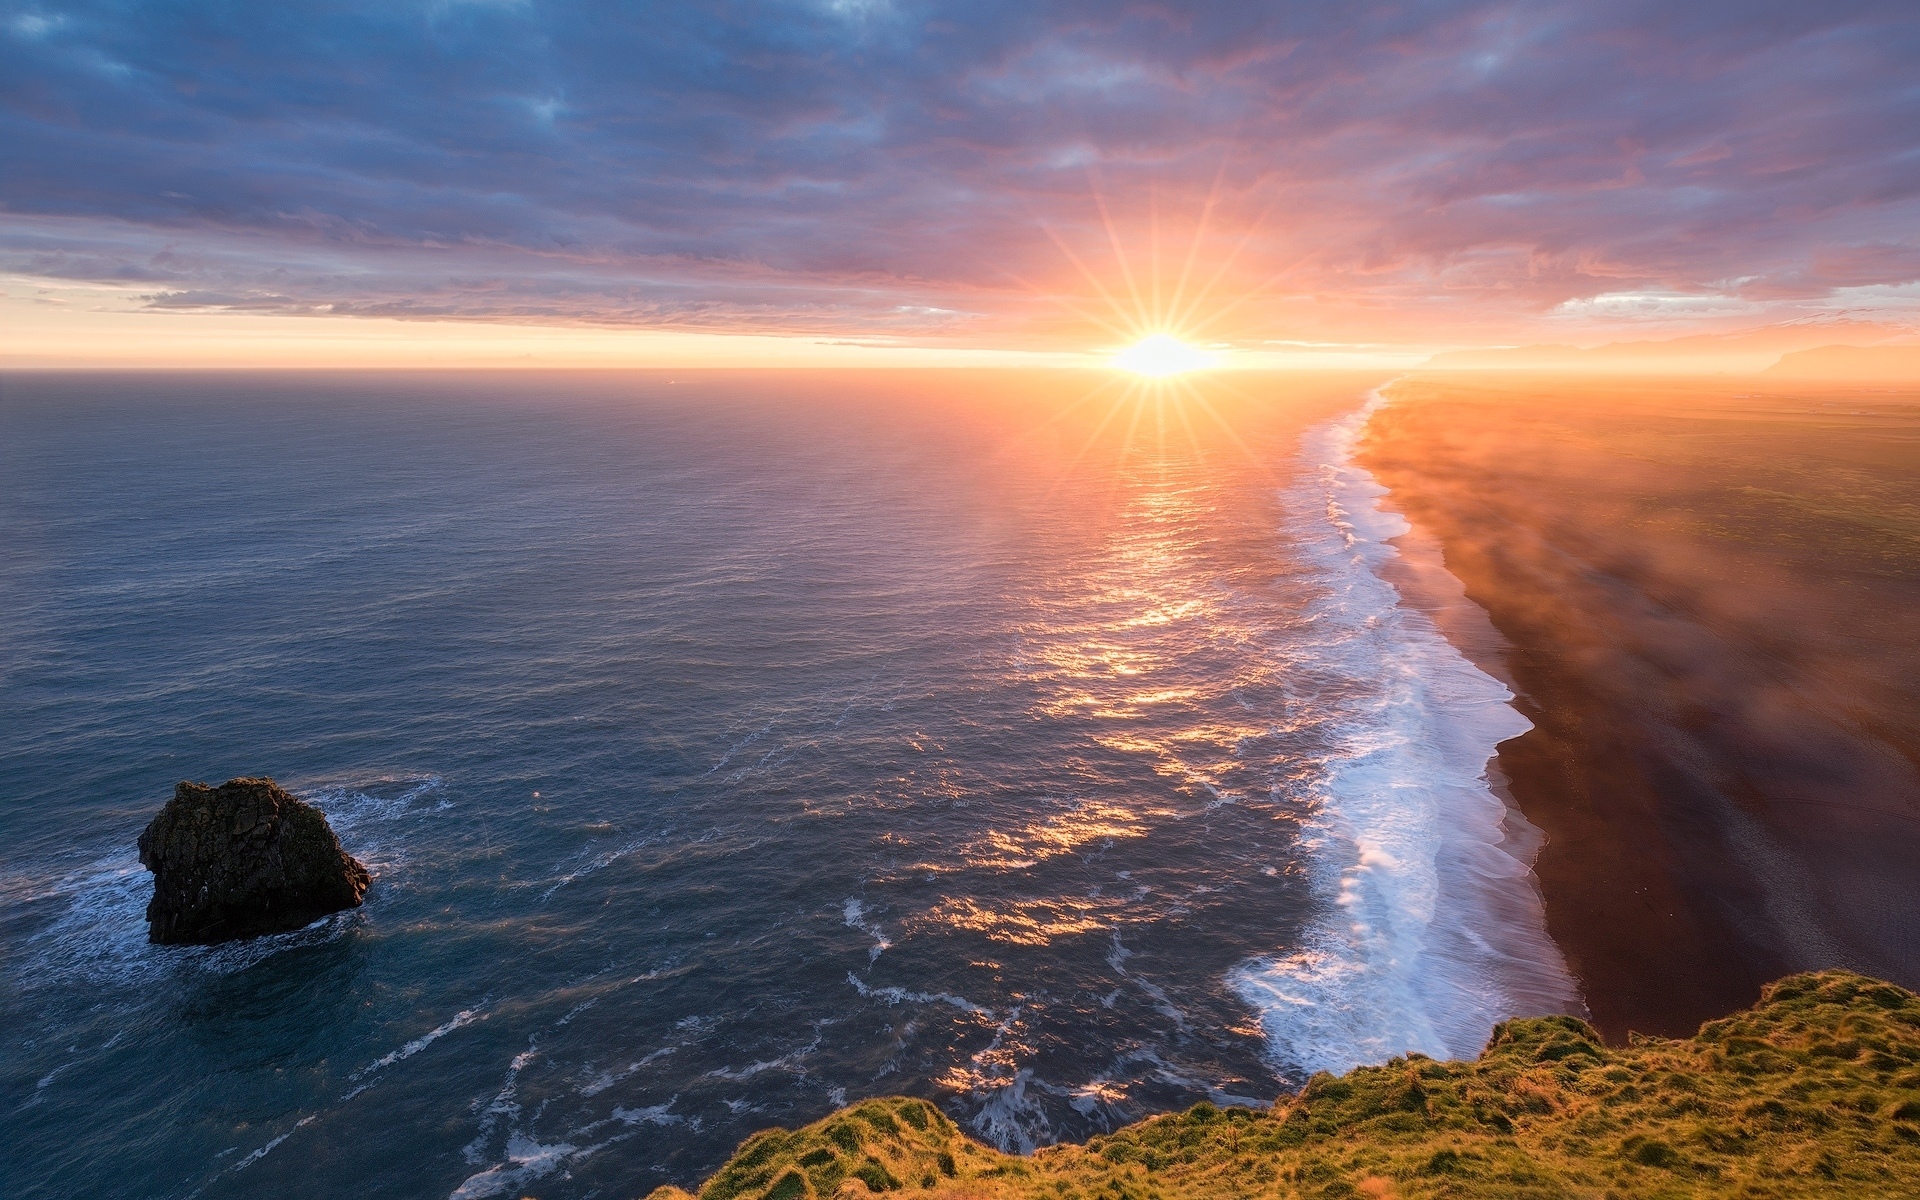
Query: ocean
{"points": [[725, 747]]}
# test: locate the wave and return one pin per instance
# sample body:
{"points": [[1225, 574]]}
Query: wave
{"points": [[523, 1157], [1432, 930], [461, 1019], [855, 917]]}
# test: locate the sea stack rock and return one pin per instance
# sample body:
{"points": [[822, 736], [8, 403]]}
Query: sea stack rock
{"points": [[240, 860]]}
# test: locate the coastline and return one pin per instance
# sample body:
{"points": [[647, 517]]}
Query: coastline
{"points": [[1433, 931], [1418, 571], [1607, 910], [1673, 756]]}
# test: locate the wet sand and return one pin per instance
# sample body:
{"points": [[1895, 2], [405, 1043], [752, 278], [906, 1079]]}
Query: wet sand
{"points": [[1703, 594]]}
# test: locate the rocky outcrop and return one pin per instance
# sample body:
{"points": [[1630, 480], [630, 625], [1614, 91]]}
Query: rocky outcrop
{"points": [[240, 860]]}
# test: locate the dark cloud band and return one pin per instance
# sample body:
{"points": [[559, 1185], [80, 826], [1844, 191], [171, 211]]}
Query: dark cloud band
{"points": [[851, 166]]}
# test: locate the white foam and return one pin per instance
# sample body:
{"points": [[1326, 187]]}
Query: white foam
{"points": [[269, 1148], [505, 1102], [99, 936], [854, 916], [1009, 1119], [897, 995], [1433, 930], [349, 808], [591, 862], [462, 1018], [527, 1160], [524, 1156], [652, 1114], [99, 933], [790, 1062]]}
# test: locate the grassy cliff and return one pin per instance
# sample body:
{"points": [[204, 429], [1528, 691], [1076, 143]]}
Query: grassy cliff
{"points": [[1813, 1092]]}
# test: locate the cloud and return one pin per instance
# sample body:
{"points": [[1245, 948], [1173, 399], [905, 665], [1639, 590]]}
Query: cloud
{"points": [[876, 168]]}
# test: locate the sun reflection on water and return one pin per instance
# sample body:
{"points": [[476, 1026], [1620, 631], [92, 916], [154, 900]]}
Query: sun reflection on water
{"points": [[1140, 646], [1147, 648]]}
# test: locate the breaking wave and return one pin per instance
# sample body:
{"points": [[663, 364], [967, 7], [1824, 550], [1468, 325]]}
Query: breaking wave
{"points": [[1432, 930]]}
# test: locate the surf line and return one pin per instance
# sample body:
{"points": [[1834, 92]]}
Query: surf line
{"points": [[1430, 928]]}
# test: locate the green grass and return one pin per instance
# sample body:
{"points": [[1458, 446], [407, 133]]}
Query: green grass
{"points": [[1813, 1092]]}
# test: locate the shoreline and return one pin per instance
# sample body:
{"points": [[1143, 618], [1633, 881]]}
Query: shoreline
{"points": [[1489, 907], [1419, 573], [1436, 931], [1703, 674], [1598, 928]]}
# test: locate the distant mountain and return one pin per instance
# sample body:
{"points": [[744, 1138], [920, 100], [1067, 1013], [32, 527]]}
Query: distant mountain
{"points": [[1748, 350], [1874, 364]]}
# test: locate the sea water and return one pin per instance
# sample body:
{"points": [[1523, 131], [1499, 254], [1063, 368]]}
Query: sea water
{"points": [[725, 747]]}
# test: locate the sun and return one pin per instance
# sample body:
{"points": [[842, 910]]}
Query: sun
{"points": [[1161, 355]]}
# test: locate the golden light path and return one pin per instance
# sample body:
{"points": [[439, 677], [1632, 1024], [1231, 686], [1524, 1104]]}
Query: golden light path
{"points": [[1115, 648]]}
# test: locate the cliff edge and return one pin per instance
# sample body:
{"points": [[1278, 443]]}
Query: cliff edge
{"points": [[1815, 1091]]}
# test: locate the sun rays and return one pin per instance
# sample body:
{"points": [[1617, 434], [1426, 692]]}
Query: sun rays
{"points": [[1166, 314]]}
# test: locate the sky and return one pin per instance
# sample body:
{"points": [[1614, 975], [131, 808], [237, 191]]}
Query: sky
{"points": [[864, 182]]}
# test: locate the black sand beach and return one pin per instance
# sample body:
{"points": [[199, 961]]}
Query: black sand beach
{"points": [[1704, 594]]}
